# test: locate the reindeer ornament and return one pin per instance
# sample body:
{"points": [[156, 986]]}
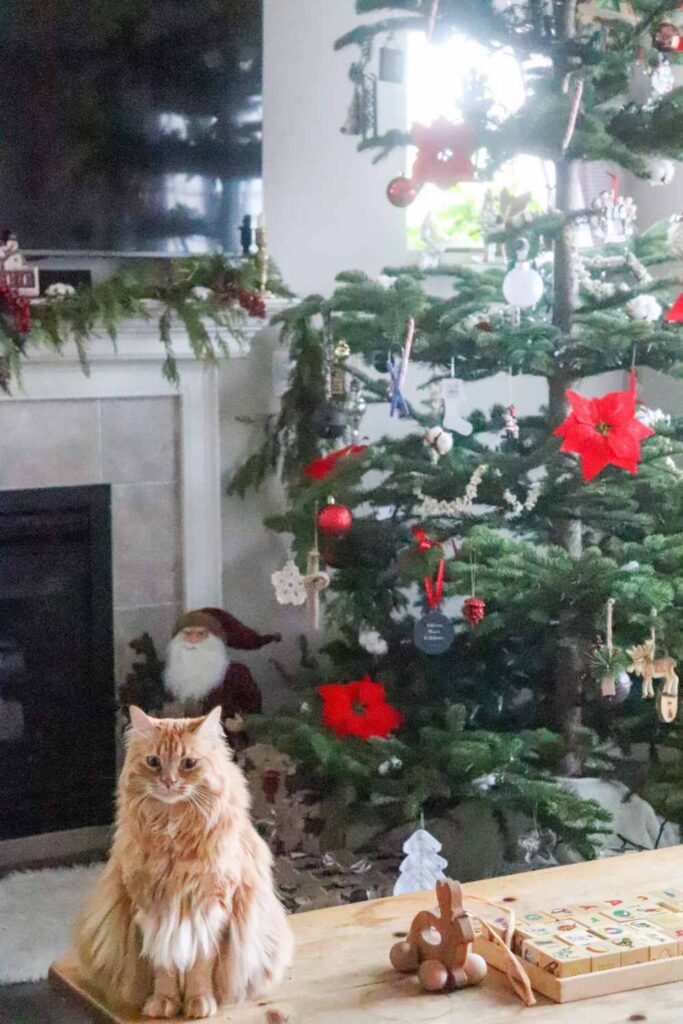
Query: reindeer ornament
{"points": [[649, 668]]}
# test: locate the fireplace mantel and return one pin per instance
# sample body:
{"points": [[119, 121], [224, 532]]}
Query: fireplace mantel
{"points": [[133, 369]]}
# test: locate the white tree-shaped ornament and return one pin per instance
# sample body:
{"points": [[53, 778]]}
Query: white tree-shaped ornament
{"points": [[422, 867]]}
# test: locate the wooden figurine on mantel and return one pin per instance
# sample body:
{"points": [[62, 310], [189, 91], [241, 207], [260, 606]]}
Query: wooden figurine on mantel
{"points": [[438, 946]]}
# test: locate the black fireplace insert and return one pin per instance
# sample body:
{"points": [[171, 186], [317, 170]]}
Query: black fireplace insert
{"points": [[57, 689]]}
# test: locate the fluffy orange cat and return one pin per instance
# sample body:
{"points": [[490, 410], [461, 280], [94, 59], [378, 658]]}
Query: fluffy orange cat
{"points": [[185, 916]]}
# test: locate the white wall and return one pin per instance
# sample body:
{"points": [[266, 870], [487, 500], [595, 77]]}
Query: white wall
{"points": [[324, 203]]}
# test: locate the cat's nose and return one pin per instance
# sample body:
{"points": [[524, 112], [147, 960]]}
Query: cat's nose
{"points": [[168, 780]]}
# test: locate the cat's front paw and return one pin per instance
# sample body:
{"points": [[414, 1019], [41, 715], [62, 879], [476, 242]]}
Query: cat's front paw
{"points": [[161, 1007], [199, 1007]]}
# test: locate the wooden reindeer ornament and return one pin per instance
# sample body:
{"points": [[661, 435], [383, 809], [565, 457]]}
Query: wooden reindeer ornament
{"points": [[438, 946], [649, 668]]}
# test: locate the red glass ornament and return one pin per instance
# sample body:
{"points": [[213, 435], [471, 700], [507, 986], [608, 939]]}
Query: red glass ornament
{"points": [[402, 192], [473, 610], [334, 519]]}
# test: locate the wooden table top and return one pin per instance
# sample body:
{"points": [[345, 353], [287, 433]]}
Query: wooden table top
{"points": [[341, 973]]}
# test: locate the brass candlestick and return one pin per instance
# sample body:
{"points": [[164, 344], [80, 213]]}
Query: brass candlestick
{"points": [[262, 259]]}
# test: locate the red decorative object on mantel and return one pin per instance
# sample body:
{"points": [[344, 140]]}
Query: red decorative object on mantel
{"points": [[359, 709], [473, 610], [334, 519], [444, 153], [321, 468], [250, 301], [17, 307], [604, 431]]}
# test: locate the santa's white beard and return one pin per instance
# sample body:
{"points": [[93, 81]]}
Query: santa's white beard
{"points": [[193, 670]]}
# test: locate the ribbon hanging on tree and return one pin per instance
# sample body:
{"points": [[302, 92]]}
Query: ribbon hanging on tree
{"points": [[434, 588], [398, 373]]}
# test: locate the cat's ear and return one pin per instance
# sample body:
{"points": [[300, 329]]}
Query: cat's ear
{"points": [[140, 722], [210, 727]]}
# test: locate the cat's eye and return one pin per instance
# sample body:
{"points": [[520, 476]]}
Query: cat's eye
{"points": [[153, 761], [188, 763]]}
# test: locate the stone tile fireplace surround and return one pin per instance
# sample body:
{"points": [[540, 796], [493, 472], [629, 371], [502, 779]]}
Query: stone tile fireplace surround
{"points": [[158, 448]]}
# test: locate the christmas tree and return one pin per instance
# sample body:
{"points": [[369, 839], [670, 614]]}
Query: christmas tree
{"points": [[567, 518]]}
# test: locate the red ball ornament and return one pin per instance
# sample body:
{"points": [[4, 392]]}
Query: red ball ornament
{"points": [[402, 192], [473, 610], [334, 519]]}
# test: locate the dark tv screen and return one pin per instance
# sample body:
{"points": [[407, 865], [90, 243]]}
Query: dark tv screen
{"points": [[130, 125]]}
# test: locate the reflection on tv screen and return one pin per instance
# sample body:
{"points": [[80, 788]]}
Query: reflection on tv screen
{"points": [[130, 125]]}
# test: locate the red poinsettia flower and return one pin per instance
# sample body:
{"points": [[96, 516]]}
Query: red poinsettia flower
{"points": [[604, 431], [675, 314], [321, 468], [445, 153], [358, 709]]}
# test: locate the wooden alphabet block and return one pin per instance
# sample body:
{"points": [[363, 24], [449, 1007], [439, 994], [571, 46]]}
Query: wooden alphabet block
{"points": [[661, 944], [672, 925], [532, 931], [558, 959], [617, 910], [593, 920], [559, 912], [604, 956], [633, 948], [672, 899], [573, 933], [534, 917]]}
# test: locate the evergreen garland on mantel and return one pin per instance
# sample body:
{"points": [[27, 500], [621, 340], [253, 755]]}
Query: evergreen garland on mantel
{"points": [[202, 292]]}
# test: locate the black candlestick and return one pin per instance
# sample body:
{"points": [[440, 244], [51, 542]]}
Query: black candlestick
{"points": [[246, 235]]}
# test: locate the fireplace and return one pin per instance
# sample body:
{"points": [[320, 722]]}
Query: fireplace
{"points": [[57, 691]]}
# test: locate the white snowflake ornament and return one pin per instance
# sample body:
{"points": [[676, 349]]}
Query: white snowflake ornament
{"points": [[289, 584]]}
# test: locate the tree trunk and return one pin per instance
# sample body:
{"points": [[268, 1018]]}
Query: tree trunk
{"points": [[569, 665]]}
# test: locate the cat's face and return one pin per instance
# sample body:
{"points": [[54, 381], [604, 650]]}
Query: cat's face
{"points": [[173, 760]]}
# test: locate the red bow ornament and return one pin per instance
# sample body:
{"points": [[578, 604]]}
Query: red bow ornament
{"points": [[423, 541], [321, 468], [604, 431], [444, 153]]}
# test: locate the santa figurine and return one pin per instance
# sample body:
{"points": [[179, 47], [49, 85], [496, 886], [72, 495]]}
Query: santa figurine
{"points": [[199, 674]]}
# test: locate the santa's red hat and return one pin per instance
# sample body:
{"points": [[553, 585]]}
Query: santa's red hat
{"points": [[230, 630]]}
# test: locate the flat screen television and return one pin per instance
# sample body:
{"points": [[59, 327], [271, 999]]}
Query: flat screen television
{"points": [[130, 125]]}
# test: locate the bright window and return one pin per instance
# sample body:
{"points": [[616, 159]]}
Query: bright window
{"points": [[436, 78]]}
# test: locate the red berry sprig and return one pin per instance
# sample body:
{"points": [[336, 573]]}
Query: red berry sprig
{"points": [[251, 302]]}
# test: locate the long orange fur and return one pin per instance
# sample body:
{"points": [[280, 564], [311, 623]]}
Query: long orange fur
{"points": [[185, 916]]}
